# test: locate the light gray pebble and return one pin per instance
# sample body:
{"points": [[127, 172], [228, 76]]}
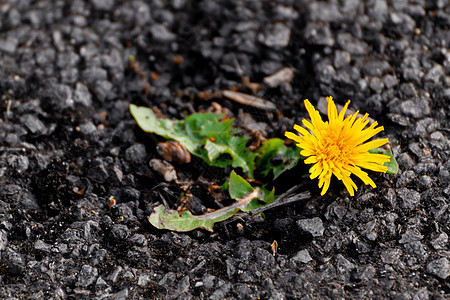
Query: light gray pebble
{"points": [[82, 95], [144, 279], [312, 226], [390, 80], [276, 35], [3, 239], [320, 34], [439, 267], [161, 33], [341, 58], [34, 125], [104, 5], [434, 74], [302, 256], [351, 44], [343, 265], [410, 236], [136, 153], [9, 45], [416, 109], [87, 276], [440, 242]]}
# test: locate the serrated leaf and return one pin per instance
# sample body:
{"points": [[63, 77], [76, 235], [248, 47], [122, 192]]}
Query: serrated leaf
{"points": [[238, 187], [196, 133], [271, 148], [170, 219], [392, 165], [247, 199], [214, 150], [266, 197], [167, 128], [194, 123], [216, 129]]}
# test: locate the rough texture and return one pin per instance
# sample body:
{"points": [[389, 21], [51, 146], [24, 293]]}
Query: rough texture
{"points": [[69, 148]]}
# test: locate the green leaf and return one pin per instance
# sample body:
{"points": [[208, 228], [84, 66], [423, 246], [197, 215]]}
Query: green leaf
{"points": [[194, 123], [271, 148], [169, 219], [203, 135], [214, 150], [172, 129], [247, 199], [216, 129], [266, 197], [392, 165], [238, 187]]}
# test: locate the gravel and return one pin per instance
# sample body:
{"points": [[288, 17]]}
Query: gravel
{"points": [[76, 188]]}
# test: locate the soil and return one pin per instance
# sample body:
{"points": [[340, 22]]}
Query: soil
{"points": [[76, 188]]}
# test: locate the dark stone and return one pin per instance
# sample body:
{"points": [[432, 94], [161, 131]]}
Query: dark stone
{"points": [[103, 5], [114, 276], [9, 45], [182, 287], [390, 81], [136, 154], [14, 261], [196, 206], [230, 268], [325, 72], [42, 246], [19, 163], [376, 84], [364, 274], [94, 74], [410, 236], [416, 248], [104, 90], [208, 281], [409, 199], [376, 68], [319, 34], [264, 258], [374, 102], [98, 171], [68, 58], [124, 212], [120, 232], [408, 91], [324, 11], [391, 256], [352, 45]]}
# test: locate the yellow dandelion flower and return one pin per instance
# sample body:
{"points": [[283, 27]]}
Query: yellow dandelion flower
{"points": [[337, 147]]}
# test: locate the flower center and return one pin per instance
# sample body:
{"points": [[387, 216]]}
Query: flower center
{"points": [[333, 148]]}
